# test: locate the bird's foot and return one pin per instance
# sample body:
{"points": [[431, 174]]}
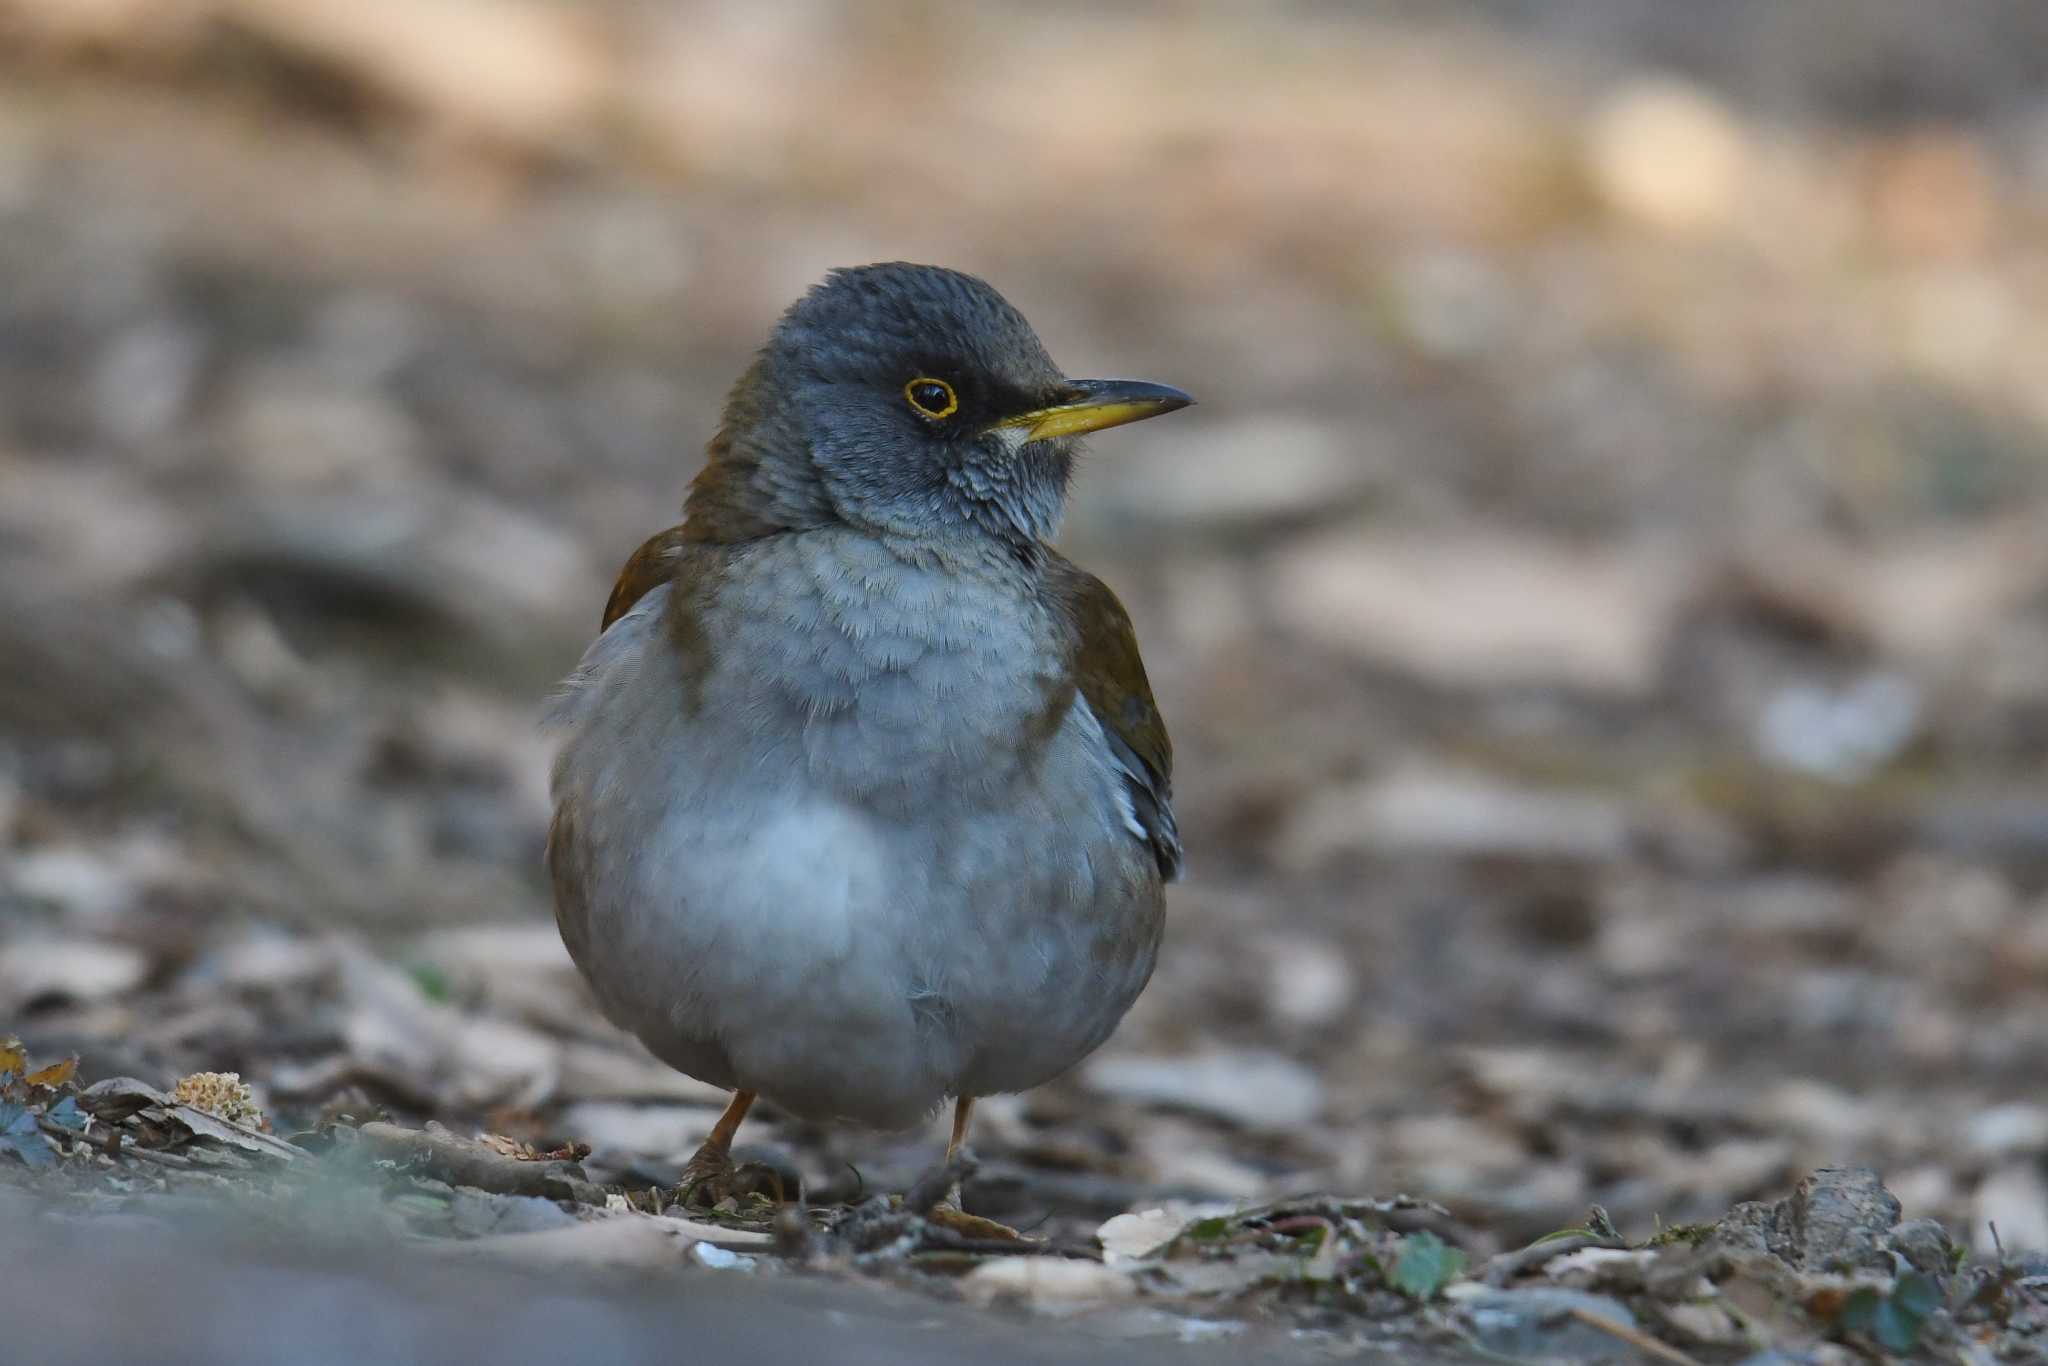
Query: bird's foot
{"points": [[711, 1178], [948, 1215]]}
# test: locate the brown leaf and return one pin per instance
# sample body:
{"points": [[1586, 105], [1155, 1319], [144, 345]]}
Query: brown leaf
{"points": [[200, 1124], [56, 1074], [116, 1098]]}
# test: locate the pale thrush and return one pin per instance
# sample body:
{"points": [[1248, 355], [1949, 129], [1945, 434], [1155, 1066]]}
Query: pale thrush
{"points": [[862, 801]]}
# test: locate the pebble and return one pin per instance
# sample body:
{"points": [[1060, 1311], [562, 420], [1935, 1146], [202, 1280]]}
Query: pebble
{"points": [[1047, 1280], [720, 1259], [1668, 154], [1130, 1237]]}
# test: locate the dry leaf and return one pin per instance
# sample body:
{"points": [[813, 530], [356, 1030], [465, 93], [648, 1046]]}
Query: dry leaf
{"points": [[56, 1074]]}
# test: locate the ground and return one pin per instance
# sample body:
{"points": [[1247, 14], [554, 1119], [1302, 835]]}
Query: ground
{"points": [[1600, 604]]}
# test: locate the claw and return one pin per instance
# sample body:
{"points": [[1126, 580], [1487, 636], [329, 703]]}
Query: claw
{"points": [[711, 1178]]}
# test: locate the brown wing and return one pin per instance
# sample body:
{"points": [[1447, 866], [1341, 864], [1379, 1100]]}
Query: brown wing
{"points": [[1111, 676], [649, 567]]}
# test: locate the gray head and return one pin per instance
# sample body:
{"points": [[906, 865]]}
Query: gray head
{"points": [[907, 400]]}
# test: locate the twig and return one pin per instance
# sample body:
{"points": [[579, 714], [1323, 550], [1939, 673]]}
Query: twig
{"points": [[162, 1159], [1634, 1337], [463, 1163], [936, 1239], [1508, 1265]]}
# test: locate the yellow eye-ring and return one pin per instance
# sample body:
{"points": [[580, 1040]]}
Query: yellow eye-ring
{"points": [[931, 397]]}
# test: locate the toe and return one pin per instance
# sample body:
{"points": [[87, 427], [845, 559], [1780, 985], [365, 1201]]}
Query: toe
{"points": [[948, 1215]]}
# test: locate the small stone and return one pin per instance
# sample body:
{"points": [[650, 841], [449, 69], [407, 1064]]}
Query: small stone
{"points": [[1838, 1218], [1308, 981], [1129, 1237], [720, 1259], [1927, 1248], [1701, 1322], [1047, 1281], [1668, 154]]}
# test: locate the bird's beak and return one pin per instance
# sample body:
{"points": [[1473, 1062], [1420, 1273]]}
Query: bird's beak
{"points": [[1089, 405]]}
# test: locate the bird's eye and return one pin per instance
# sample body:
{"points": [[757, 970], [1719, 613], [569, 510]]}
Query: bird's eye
{"points": [[931, 397]]}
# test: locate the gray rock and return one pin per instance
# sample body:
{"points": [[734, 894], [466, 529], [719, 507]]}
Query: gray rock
{"points": [[1927, 1248], [1837, 1220]]}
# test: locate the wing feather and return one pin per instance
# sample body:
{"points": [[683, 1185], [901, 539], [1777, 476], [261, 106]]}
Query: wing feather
{"points": [[652, 565], [1111, 676]]}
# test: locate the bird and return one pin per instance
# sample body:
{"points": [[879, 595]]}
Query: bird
{"points": [[861, 799]]}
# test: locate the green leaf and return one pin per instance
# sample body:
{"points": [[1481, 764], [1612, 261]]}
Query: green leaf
{"points": [[432, 982], [1425, 1266], [1900, 1317], [1576, 1231], [1210, 1229], [1861, 1310], [1893, 1321]]}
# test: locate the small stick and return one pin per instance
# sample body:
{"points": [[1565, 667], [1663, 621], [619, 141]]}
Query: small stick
{"points": [[1508, 1265], [1634, 1337], [463, 1163]]}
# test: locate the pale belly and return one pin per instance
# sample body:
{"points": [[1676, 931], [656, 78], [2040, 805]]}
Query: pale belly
{"points": [[833, 911]]}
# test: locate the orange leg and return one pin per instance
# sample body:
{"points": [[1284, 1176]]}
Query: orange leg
{"points": [[962, 1109], [949, 1214], [728, 1126], [711, 1170]]}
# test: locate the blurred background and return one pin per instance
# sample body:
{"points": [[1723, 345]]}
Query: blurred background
{"points": [[1601, 602]]}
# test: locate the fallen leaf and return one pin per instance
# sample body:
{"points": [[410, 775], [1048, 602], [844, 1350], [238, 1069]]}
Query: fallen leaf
{"points": [[202, 1125], [56, 1074], [20, 1135], [66, 1115], [1426, 1265], [118, 1097]]}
